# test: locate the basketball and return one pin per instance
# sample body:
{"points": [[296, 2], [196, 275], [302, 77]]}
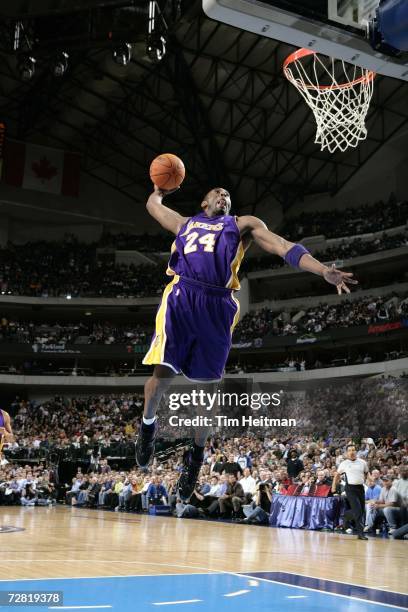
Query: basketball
{"points": [[167, 171]]}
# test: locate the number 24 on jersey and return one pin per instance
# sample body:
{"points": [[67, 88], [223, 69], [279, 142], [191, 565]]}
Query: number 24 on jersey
{"points": [[208, 242]]}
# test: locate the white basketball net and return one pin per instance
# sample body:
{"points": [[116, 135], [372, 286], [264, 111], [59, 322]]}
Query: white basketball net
{"points": [[338, 94]]}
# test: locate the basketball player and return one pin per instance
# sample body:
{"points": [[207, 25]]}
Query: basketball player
{"points": [[6, 433], [198, 311]]}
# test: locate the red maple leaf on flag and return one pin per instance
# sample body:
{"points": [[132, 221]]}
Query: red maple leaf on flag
{"points": [[44, 169]]}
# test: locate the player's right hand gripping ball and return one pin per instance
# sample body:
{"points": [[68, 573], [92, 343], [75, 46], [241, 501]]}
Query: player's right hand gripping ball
{"points": [[167, 171]]}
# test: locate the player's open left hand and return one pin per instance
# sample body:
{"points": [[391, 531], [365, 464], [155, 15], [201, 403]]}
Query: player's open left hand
{"points": [[340, 279]]}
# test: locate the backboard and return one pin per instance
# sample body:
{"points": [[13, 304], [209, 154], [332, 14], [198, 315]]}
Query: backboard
{"points": [[335, 28], [353, 13]]}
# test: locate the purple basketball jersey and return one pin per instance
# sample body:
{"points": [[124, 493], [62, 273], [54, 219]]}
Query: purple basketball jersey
{"points": [[198, 311], [208, 250], [2, 421]]}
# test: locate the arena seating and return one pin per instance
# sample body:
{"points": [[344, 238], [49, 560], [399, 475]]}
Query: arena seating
{"points": [[350, 221], [49, 432], [71, 268]]}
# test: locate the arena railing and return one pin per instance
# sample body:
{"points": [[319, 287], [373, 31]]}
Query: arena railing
{"points": [[108, 384]]}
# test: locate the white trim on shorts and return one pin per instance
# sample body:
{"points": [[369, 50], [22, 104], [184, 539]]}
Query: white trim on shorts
{"points": [[169, 365], [195, 380], [202, 380]]}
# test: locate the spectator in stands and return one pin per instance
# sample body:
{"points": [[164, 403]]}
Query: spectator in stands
{"points": [[93, 492], [82, 497], [74, 490], [387, 505], [377, 478], [280, 481], [198, 498], [307, 486], [124, 495], [45, 490], [156, 492], [231, 466], [28, 494], [372, 494], [242, 459], [294, 464], [259, 510], [323, 478], [232, 499], [134, 503], [111, 497], [218, 487], [401, 488], [248, 484], [106, 487]]}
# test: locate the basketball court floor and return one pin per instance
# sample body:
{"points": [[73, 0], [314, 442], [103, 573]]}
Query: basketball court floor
{"points": [[103, 560]]}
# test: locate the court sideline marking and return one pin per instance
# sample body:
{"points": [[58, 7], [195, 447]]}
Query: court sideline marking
{"points": [[298, 586], [215, 572], [205, 570], [173, 603]]}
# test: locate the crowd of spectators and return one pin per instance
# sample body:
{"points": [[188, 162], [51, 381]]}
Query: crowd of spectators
{"points": [[347, 222], [45, 334], [112, 368], [143, 243], [298, 362], [95, 423], [238, 480], [255, 324], [362, 311], [241, 472], [358, 247], [332, 223], [238, 364], [346, 249], [252, 330], [91, 425], [26, 485], [72, 269], [51, 270]]}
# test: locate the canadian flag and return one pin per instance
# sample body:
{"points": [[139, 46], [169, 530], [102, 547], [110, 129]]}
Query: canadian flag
{"points": [[42, 168]]}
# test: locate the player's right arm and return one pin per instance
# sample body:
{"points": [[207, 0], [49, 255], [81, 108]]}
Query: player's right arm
{"points": [[169, 219]]}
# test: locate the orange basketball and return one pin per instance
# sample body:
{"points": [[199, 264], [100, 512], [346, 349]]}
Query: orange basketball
{"points": [[167, 171]]}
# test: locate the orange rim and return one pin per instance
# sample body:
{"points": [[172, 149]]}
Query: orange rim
{"points": [[300, 53]]}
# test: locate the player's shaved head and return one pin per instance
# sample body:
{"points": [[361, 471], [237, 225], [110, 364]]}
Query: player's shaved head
{"points": [[216, 189], [216, 202]]}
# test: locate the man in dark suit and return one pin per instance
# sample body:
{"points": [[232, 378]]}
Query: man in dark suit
{"points": [[295, 465]]}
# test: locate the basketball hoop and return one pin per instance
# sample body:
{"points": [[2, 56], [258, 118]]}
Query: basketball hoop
{"points": [[340, 104]]}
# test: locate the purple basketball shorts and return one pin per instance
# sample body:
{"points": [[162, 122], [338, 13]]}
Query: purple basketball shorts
{"points": [[194, 325]]}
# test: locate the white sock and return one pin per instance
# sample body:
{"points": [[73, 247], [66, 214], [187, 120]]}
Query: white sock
{"points": [[149, 421]]}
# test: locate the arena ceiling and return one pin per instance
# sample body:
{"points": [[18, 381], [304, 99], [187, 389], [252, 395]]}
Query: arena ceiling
{"points": [[218, 100]]}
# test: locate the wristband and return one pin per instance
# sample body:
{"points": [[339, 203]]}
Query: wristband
{"points": [[294, 254]]}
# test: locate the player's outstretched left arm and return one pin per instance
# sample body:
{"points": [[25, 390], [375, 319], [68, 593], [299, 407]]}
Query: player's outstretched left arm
{"points": [[296, 255]]}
